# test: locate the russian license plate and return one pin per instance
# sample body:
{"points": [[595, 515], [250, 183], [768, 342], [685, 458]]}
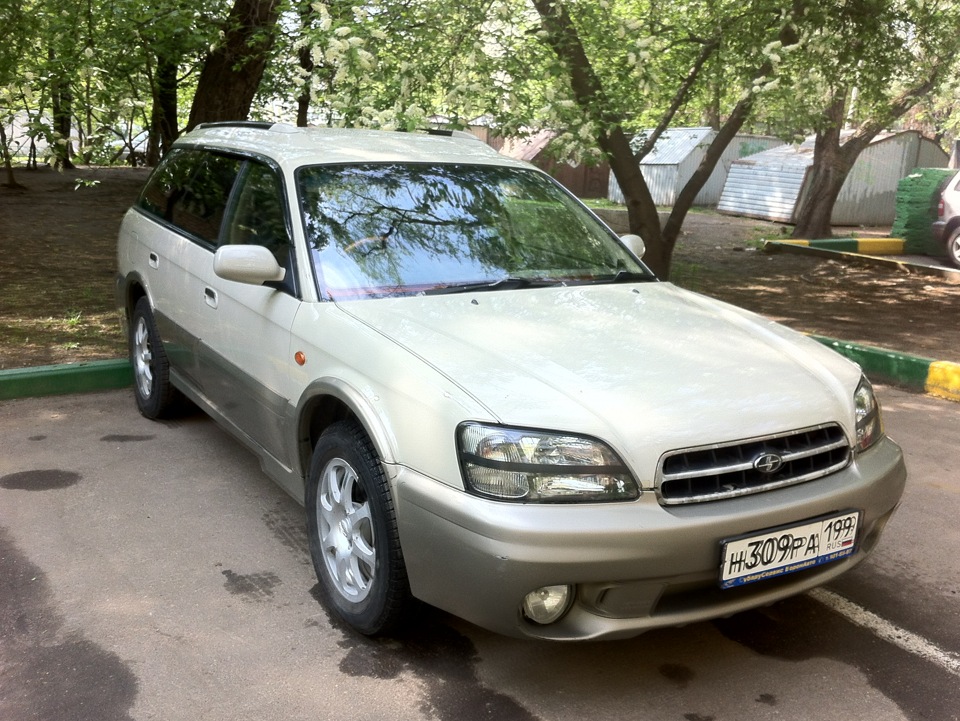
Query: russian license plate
{"points": [[787, 550]]}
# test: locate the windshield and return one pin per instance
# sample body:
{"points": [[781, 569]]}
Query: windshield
{"points": [[392, 229]]}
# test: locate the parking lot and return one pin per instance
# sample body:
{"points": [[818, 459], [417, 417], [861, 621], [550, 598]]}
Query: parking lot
{"points": [[151, 571]]}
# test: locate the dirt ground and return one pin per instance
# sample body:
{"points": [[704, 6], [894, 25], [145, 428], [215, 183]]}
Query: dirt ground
{"points": [[57, 269]]}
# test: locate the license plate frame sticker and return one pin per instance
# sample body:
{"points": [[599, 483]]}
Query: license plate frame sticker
{"points": [[772, 553]]}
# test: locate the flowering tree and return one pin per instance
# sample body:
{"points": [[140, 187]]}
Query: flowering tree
{"points": [[596, 72], [234, 67], [14, 24], [862, 66]]}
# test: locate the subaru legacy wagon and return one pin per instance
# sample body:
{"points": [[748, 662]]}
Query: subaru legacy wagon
{"points": [[483, 398]]}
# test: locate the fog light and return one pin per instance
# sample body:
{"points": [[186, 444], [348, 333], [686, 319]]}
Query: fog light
{"points": [[547, 604]]}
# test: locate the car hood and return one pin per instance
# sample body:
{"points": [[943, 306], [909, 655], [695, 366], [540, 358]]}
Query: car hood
{"points": [[628, 363]]}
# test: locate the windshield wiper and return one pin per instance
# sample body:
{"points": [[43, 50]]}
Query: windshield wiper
{"points": [[506, 283]]}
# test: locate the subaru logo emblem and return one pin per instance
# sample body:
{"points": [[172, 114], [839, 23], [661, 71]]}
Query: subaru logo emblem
{"points": [[768, 463]]}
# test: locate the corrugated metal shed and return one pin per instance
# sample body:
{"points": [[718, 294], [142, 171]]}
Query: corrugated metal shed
{"points": [[17, 131], [768, 185], [677, 155], [584, 181]]}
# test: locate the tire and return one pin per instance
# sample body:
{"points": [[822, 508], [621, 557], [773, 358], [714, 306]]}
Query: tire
{"points": [[352, 528], [156, 397], [953, 248]]}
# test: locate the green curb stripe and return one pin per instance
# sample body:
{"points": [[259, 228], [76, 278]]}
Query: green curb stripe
{"points": [[62, 379], [939, 378], [883, 364]]}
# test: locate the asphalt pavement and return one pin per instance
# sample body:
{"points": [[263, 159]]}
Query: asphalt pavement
{"points": [[152, 571]]}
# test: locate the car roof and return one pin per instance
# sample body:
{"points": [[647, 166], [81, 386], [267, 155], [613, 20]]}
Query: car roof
{"points": [[294, 146]]}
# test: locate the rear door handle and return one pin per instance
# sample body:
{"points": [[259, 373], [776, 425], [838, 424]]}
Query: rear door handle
{"points": [[210, 296]]}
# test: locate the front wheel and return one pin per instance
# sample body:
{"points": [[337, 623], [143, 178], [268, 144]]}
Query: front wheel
{"points": [[353, 534], [953, 248]]}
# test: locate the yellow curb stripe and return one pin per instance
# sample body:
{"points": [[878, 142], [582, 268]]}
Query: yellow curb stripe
{"points": [[879, 246], [943, 379]]}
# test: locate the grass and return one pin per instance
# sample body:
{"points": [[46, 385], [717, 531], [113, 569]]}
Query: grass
{"points": [[602, 204], [688, 275], [73, 337]]}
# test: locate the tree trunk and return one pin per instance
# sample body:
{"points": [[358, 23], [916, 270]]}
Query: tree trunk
{"points": [[832, 161], [232, 72], [305, 57], [163, 115], [642, 215], [827, 177], [688, 194], [62, 108], [7, 160]]}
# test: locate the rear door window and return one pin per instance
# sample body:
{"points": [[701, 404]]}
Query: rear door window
{"points": [[190, 190]]}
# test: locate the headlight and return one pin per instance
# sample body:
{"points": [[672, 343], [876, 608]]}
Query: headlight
{"points": [[869, 422], [515, 464]]}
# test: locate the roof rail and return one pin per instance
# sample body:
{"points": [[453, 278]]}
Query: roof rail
{"points": [[258, 124], [442, 132]]}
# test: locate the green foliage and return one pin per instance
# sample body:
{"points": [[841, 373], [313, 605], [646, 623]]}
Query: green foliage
{"points": [[410, 63], [395, 63], [866, 53], [95, 60]]}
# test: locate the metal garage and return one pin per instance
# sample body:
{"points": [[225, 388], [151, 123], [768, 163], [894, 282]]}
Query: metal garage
{"points": [[769, 184], [678, 153]]}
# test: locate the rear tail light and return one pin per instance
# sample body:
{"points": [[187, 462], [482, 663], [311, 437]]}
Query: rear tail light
{"points": [[940, 207]]}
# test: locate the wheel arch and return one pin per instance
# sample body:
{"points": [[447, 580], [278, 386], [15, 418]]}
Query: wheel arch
{"points": [[328, 400], [129, 291], [951, 243], [951, 227]]}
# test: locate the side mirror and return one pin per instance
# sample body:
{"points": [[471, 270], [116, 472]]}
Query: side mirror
{"points": [[251, 264], [634, 244]]}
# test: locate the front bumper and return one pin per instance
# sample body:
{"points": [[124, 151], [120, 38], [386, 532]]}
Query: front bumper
{"points": [[635, 566]]}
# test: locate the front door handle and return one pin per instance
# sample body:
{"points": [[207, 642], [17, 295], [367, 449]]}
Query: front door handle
{"points": [[210, 296]]}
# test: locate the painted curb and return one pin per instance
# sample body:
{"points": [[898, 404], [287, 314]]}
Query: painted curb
{"points": [[67, 378], [951, 275], [865, 246], [939, 378]]}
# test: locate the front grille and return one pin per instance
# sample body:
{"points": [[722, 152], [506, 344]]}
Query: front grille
{"points": [[711, 473]]}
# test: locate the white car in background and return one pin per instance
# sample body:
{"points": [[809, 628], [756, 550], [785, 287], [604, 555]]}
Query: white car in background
{"points": [[946, 228], [482, 396]]}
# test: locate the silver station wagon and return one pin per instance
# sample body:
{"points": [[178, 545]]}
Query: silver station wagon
{"points": [[481, 395]]}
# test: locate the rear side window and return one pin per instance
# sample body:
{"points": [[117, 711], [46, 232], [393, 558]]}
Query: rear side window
{"points": [[190, 190]]}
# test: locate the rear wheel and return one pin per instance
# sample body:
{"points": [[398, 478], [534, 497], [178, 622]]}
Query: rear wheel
{"points": [[953, 248], [156, 397], [352, 529]]}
